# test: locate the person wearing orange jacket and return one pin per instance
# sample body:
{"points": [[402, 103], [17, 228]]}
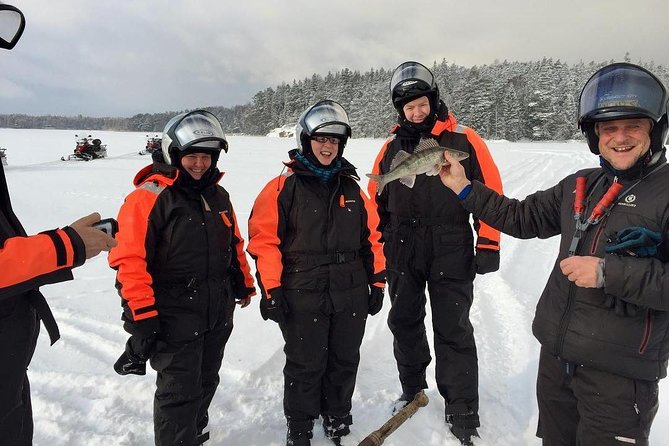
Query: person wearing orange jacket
{"points": [[26, 263], [428, 241], [181, 267], [312, 233]]}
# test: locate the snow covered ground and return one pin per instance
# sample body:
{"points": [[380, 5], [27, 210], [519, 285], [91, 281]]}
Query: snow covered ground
{"points": [[79, 400]]}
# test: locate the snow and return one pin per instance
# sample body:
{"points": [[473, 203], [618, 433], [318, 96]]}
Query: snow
{"points": [[79, 400]]}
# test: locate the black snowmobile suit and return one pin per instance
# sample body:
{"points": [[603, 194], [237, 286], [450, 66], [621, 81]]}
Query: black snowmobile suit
{"points": [[324, 264], [575, 323], [26, 264], [428, 240], [190, 258]]}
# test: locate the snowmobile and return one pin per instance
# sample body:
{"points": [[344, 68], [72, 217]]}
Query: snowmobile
{"points": [[3, 156], [153, 143], [87, 149]]}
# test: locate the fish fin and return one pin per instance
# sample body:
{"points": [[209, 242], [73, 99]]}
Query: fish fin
{"points": [[408, 180], [434, 171], [425, 144], [399, 158]]}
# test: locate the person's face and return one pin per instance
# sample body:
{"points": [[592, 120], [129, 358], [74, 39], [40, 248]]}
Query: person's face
{"points": [[417, 110], [623, 141], [196, 164], [325, 148]]}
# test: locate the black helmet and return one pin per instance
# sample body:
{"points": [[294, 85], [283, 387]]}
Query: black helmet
{"points": [[12, 24], [327, 118], [623, 91], [198, 130], [413, 80]]}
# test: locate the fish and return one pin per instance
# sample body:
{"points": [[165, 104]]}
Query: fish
{"points": [[427, 158]]}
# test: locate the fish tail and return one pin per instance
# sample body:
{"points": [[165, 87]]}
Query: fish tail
{"points": [[379, 180]]}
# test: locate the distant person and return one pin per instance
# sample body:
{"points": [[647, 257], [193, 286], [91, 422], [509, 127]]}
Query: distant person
{"points": [[428, 241], [321, 271], [26, 263], [603, 317], [181, 267]]}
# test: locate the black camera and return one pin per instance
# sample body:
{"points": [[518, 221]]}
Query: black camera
{"points": [[107, 225]]}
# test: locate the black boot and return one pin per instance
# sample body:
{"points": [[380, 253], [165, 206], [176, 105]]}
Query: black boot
{"points": [[336, 426], [299, 432], [407, 396], [201, 438], [463, 426]]}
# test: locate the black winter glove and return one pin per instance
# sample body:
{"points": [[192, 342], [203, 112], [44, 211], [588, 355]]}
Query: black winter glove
{"points": [[375, 300], [487, 261], [140, 346], [127, 364], [133, 360], [274, 306], [622, 308]]}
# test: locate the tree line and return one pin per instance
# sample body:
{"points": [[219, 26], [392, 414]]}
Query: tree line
{"points": [[535, 100]]}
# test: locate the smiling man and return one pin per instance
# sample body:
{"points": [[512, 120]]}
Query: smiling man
{"points": [[603, 318]]}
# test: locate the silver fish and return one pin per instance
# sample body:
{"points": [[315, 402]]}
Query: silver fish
{"points": [[427, 158]]}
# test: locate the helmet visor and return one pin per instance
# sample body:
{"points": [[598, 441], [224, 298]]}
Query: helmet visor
{"points": [[410, 78], [326, 117], [200, 129], [622, 91], [12, 24]]}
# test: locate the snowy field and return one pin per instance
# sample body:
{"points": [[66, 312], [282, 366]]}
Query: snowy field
{"points": [[79, 400]]}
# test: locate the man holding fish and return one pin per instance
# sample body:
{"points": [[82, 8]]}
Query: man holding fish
{"points": [[428, 240]]}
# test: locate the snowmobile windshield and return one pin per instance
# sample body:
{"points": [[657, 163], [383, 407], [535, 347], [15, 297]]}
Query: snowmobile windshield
{"points": [[12, 24], [622, 91], [199, 128], [409, 79], [326, 117]]}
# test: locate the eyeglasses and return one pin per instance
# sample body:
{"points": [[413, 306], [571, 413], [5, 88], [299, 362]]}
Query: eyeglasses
{"points": [[324, 139]]}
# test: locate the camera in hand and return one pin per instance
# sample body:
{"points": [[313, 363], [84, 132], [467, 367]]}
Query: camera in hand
{"points": [[107, 225]]}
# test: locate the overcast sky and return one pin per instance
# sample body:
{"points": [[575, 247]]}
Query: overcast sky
{"points": [[119, 58]]}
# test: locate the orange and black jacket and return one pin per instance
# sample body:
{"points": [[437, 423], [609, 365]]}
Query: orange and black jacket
{"points": [[180, 256], [429, 203], [26, 263], [304, 234]]}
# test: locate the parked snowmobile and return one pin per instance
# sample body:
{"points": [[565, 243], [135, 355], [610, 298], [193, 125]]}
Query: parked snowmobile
{"points": [[87, 149], [3, 156], [153, 143]]}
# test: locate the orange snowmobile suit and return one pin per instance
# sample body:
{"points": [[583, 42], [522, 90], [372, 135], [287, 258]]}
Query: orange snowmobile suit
{"points": [[146, 257], [316, 243], [429, 243], [26, 263]]}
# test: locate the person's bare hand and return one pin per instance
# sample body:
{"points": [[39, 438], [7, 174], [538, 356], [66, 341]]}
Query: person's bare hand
{"points": [[94, 239], [453, 174], [582, 270]]}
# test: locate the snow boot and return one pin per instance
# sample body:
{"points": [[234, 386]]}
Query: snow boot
{"points": [[463, 426], [406, 397], [299, 433], [201, 438], [336, 427]]}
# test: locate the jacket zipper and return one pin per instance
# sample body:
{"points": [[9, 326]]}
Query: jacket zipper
{"points": [[562, 330], [595, 240], [648, 328]]}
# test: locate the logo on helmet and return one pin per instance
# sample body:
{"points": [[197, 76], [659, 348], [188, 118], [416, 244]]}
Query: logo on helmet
{"points": [[619, 101], [203, 132]]}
